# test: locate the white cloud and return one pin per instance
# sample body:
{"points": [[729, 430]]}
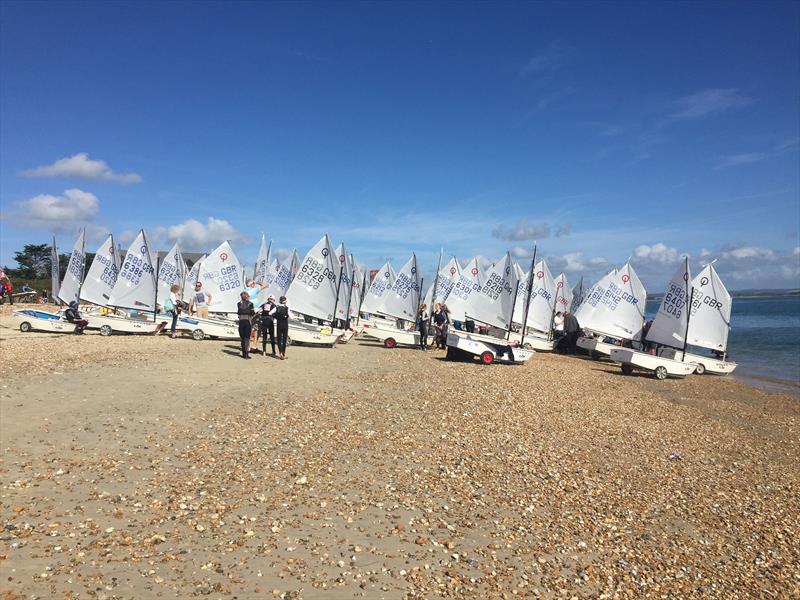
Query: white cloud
{"points": [[57, 213], [525, 230], [709, 102], [552, 59], [746, 158], [657, 253], [196, 236], [747, 252], [796, 251], [83, 167], [576, 261]]}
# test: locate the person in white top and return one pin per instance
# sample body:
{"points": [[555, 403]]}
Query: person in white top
{"points": [[558, 326], [173, 306]]}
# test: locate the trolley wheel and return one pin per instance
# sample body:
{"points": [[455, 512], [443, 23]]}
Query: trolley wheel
{"points": [[487, 358], [661, 373], [449, 355], [627, 369], [389, 343], [105, 330], [198, 335], [595, 355], [25, 327], [289, 341], [701, 368]]}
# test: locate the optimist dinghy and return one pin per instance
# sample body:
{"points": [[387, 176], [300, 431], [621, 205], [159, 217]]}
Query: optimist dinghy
{"points": [[400, 301], [40, 320], [541, 294], [614, 309], [491, 303]]}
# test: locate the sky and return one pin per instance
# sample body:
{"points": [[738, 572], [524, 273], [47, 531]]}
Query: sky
{"points": [[597, 131]]}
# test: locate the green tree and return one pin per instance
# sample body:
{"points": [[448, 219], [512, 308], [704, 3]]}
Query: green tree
{"points": [[33, 261]]}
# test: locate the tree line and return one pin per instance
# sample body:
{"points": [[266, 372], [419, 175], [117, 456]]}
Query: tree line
{"points": [[34, 262]]}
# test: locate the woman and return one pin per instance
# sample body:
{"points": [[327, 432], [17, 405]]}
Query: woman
{"points": [[245, 312], [173, 307], [254, 289], [282, 326], [441, 320], [268, 324], [422, 327]]}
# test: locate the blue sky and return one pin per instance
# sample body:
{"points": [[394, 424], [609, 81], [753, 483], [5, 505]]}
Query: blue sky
{"points": [[601, 130]]}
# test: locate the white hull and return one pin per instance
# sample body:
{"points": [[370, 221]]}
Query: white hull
{"points": [[36, 320], [108, 324], [537, 343], [391, 336], [209, 328], [705, 364], [489, 349], [314, 335], [595, 347], [660, 366]]}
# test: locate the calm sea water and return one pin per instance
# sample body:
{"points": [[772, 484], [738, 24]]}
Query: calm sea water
{"points": [[764, 338]]}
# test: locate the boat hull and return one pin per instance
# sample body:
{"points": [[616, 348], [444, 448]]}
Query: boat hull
{"points": [[209, 328], [705, 364], [392, 337], [110, 323], [313, 335], [40, 320], [596, 347], [660, 366], [489, 349], [537, 343]]}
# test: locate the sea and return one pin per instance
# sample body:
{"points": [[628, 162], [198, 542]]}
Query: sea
{"points": [[764, 341]]}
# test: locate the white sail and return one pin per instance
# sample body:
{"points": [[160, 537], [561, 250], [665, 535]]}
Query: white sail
{"points": [[262, 261], [521, 295], [313, 290], [102, 274], [593, 296], [55, 275], [344, 281], [171, 270], [448, 275], [378, 288], [222, 277], [470, 280], [620, 312], [136, 283], [71, 286], [709, 321], [578, 294], [192, 278], [543, 298], [669, 325], [403, 298], [563, 294], [493, 303], [357, 293]]}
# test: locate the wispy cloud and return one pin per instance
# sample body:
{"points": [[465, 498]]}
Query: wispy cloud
{"points": [[709, 102], [56, 213], [746, 158], [554, 57], [525, 230], [82, 167]]}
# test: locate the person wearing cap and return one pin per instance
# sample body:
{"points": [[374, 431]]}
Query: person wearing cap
{"points": [[73, 316], [281, 317], [245, 312], [199, 301], [267, 315]]}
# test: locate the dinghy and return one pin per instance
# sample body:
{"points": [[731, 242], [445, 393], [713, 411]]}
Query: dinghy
{"points": [[541, 294], [670, 327], [492, 304], [373, 298], [40, 320], [314, 293], [401, 301], [135, 289], [102, 274], [615, 310]]}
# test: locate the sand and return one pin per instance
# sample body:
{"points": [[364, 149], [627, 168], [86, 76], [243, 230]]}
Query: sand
{"points": [[144, 467]]}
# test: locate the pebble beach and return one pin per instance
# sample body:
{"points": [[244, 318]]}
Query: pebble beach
{"points": [[147, 467]]}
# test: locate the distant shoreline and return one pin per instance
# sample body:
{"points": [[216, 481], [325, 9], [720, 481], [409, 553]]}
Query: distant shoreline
{"points": [[748, 294]]}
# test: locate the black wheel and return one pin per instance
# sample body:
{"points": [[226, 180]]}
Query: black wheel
{"points": [[106, 330], [198, 335], [289, 341], [25, 327], [487, 358], [701, 368], [595, 355], [627, 369], [661, 373], [389, 343]]}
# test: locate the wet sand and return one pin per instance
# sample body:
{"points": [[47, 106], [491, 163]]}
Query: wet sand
{"points": [[144, 467]]}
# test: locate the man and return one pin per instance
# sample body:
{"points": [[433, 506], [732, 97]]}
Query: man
{"points": [[268, 324], [199, 301], [572, 330], [73, 316]]}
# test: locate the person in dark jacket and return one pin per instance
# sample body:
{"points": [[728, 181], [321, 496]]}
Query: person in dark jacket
{"points": [[422, 327], [245, 311], [73, 316], [268, 324], [441, 321], [572, 330], [281, 317]]}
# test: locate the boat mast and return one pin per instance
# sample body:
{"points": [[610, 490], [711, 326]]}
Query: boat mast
{"points": [[528, 297], [688, 306], [435, 285], [338, 285]]}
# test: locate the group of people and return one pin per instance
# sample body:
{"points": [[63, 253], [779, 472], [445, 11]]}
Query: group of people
{"points": [[271, 320], [440, 319]]}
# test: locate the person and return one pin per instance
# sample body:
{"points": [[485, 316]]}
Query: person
{"points": [[254, 289], [2, 291], [268, 324], [572, 329], [648, 347], [422, 327], [26, 288], [9, 291], [441, 320], [199, 301], [558, 326], [245, 312], [173, 307], [281, 317], [73, 316], [469, 325]]}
